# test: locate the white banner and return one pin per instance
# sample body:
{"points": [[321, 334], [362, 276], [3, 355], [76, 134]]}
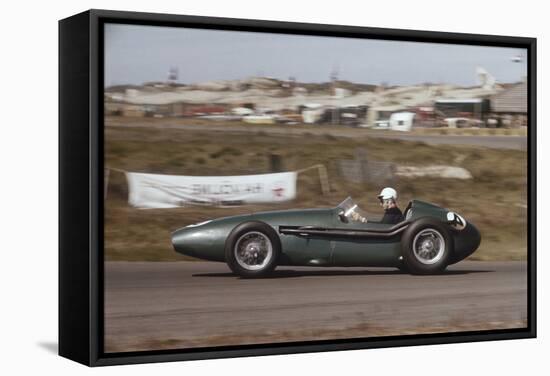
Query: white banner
{"points": [[171, 191]]}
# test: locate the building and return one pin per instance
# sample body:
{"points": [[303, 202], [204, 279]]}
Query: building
{"points": [[509, 107], [511, 101], [474, 108]]}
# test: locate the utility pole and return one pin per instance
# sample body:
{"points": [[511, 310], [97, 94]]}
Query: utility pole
{"points": [[333, 80]]}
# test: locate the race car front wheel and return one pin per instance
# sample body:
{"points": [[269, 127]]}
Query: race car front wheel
{"points": [[426, 247], [252, 249]]}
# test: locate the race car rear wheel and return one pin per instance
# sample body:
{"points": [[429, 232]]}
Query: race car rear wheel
{"points": [[426, 247], [252, 249]]}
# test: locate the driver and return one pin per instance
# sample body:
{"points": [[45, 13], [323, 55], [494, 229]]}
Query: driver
{"points": [[388, 200]]}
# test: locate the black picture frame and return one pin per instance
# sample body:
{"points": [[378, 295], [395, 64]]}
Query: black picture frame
{"points": [[81, 186]]}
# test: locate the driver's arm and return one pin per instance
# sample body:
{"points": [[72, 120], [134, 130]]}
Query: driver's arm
{"points": [[358, 217]]}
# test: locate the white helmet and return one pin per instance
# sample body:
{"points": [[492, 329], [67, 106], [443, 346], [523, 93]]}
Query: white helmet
{"points": [[387, 193]]}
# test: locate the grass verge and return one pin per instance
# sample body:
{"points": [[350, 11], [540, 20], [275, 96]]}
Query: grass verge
{"points": [[495, 199]]}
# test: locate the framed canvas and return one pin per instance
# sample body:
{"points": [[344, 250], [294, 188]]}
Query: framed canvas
{"points": [[234, 187]]}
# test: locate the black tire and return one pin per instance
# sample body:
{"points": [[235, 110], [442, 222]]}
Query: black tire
{"points": [[437, 235], [263, 234], [403, 268]]}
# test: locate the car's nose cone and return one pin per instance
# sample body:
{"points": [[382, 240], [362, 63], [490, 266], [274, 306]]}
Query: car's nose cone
{"points": [[466, 242], [185, 241]]}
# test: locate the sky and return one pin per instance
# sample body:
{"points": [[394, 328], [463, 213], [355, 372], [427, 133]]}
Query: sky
{"points": [[135, 54]]}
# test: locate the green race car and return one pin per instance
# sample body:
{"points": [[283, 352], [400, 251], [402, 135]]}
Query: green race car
{"points": [[426, 242]]}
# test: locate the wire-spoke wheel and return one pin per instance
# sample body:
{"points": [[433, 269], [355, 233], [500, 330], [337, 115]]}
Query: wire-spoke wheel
{"points": [[252, 249], [426, 246]]}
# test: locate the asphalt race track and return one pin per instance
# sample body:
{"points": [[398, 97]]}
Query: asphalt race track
{"points": [[167, 305], [496, 142]]}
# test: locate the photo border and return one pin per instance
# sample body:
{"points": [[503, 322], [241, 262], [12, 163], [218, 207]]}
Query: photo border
{"points": [[98, 18]]}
